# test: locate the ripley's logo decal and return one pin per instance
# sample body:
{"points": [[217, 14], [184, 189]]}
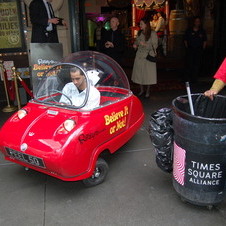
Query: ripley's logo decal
{"points": [[84, 137]]}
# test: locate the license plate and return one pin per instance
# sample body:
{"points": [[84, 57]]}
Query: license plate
{"points": [[25, 158]]}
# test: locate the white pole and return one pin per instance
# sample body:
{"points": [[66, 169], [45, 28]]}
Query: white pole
{"points": [[189, 98]]}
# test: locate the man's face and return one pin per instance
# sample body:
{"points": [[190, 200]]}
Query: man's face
{"points": [[114, 23], [155, 17], [78, 80], [197, 22]]}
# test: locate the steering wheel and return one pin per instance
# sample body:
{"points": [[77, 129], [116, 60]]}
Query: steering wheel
{"points": [[57, 91]]}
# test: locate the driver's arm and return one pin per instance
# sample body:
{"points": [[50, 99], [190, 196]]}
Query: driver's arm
{"points": [[65, 91], [93, 100]]}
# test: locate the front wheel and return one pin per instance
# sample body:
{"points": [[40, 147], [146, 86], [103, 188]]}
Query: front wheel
{"points": [[99, 174]]}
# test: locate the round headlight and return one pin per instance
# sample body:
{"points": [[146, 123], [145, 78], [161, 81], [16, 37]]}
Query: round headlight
{"points": [[21, 113], [69, 124]]}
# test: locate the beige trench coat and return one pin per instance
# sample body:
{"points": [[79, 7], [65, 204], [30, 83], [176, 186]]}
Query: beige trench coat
{"points": [[144, 71]]}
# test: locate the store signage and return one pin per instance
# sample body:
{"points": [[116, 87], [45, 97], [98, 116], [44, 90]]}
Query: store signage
{"points": [[11, 32], [43, 57]]}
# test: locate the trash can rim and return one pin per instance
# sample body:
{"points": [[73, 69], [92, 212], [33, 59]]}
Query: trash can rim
{"points": [[195, 117]]}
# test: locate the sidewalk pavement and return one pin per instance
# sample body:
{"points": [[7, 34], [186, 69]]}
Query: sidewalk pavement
{"points": [[135, 193]]}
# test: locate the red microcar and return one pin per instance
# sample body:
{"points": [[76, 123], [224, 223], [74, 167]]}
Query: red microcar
{"points": [[66, 138]]}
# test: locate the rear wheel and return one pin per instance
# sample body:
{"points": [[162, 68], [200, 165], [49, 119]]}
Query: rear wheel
{"points": [[99, 174]]}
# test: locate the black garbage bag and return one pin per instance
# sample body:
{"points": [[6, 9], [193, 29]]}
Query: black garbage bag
{"points": [[161, 134]]}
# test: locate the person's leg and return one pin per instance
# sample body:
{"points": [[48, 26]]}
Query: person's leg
{"points": [[188, 71], [197, 65], [147, 91], [160, 46], [164, 45], [141, 90], [98, 45]]}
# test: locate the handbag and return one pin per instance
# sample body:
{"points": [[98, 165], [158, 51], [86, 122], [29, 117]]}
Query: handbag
{"points": [[151, 58]]}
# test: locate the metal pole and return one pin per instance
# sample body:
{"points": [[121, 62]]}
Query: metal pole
{"points": [[8, 108], [16, 88], [189, 98]]}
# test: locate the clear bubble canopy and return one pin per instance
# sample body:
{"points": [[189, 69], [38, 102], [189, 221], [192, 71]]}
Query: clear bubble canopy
{"points": [[98, 69]]}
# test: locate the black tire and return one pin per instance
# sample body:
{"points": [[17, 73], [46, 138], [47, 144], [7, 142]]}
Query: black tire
{"points": [[99, 174]]}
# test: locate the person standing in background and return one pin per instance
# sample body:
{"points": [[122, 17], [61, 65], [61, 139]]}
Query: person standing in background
{"points": [[154, 21], [44, 22], [158, 24], [195, 40], [99, 34], [145, 72], [113, 41]]}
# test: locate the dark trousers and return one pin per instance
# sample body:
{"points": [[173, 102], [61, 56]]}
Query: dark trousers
{"points": [[98, 45], [193, 64]]}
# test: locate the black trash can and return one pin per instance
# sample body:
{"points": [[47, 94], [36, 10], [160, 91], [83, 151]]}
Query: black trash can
{"points": [[199, 161]]}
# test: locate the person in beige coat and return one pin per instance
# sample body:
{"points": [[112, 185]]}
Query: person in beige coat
{"points": [[145, 72]]}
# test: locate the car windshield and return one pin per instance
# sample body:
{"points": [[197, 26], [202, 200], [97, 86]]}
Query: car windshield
{"points": [[84, 80]]}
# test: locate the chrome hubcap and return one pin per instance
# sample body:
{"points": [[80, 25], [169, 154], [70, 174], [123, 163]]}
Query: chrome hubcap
{"points": [[96, 173]]}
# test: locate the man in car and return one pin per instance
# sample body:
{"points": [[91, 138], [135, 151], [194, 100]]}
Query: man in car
{"points": [[76, 91]]}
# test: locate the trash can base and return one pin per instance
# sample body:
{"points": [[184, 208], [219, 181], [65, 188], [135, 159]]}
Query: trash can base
{"points": [[199, 198]]}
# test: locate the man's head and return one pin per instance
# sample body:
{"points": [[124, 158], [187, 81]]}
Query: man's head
{"points": [[197, 21], [100, 23], [114, 22], [155, 16], [78, 78]]}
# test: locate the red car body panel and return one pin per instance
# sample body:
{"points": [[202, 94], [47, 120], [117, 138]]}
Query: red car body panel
{"points": [[40, 142]]}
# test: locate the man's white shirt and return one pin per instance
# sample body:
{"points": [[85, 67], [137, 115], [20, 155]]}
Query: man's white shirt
{"points": [[50, 26], [78, 98]]}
